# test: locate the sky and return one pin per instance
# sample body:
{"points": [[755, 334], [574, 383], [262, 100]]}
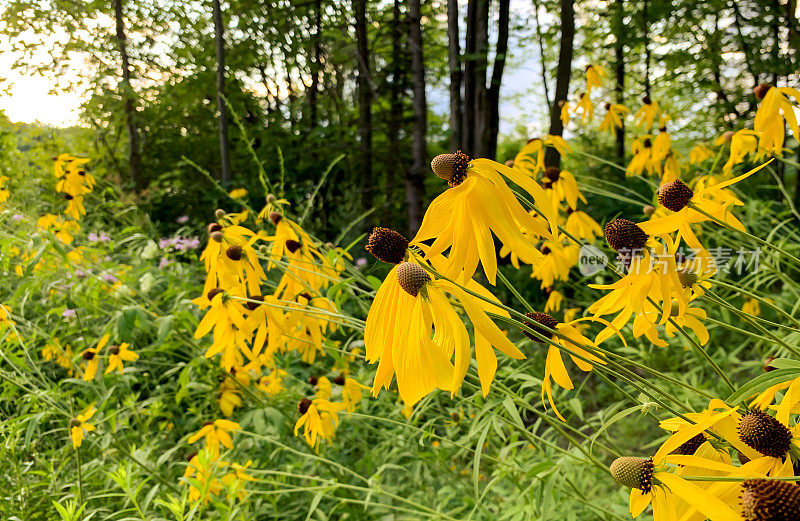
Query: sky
{"points": [[28, 98]]}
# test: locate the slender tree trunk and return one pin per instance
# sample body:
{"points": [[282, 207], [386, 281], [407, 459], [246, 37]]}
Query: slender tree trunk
{"points": [[493, 94], [797, 181], [416, 174], [224, 149], [619, 69], [394, 171], [134, 159], [454, 62], [364, 104], [480, 136], [563, 73], [316, 66], [646, 33], [540, 41], [791, 19], [468, 132]]}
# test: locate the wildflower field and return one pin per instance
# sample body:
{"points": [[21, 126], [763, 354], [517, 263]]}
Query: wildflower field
{"points": [[246, 319]]}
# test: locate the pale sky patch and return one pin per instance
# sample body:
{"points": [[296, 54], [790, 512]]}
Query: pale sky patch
{"points": [[29, 98]]}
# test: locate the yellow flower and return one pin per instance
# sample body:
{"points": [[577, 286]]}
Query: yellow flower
{"points": [[272, 384], [226, 318], [569, 338], [743, 142], [672, 168], [216, 433], [407, 307], [594, 77], [5, 312], [647, 114], [661, 145], [565, 112], [319, 419], [64, 162], [685, 203], [63, 230], [752, 307], [775, 108], [769, 442], [324, 388], [307, 269], [267, 322], [554, 301], [613, 118], [653, 481], [562, 186], [92, 360], [699, 154], [653, 275], [351, 393], [61, 355], [309, 320], [240, 268], [119, 354], [581, 225], [479, 203], [273, 206], [229, 397], [72, 183], [199, 475], [74, 206], [556, 263], [531, 158], [586, 107], [78, 426], [234, 480], [643, 159], [238, 193]]}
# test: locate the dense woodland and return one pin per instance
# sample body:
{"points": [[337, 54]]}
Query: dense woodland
{"points": [[173, 86]]}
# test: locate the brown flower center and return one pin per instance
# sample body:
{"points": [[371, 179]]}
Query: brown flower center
{"points": [[387, 245], [451, 167], [303, 406], [624, 235], [674, 195], [412, 278], [765, 434], [234, 253], [540, 319], [770, 500], [634, 472]]}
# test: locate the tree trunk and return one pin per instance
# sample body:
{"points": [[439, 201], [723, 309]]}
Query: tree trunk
{"points": [[493, 94], [563, 73], [364, 104], [468, 132], [394, 170], [454, 62], [134, 159], [316, 66], [619, 68], [224, 150], [416, 174], [646, 36], [480, 135], [540, 41], [797, 181]]}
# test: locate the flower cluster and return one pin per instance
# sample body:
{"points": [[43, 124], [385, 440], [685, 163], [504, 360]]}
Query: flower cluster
{"points": [[249, 327]]}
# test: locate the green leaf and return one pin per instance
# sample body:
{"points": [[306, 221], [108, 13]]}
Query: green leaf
{"points": [[762, 383], [375, 281]]}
